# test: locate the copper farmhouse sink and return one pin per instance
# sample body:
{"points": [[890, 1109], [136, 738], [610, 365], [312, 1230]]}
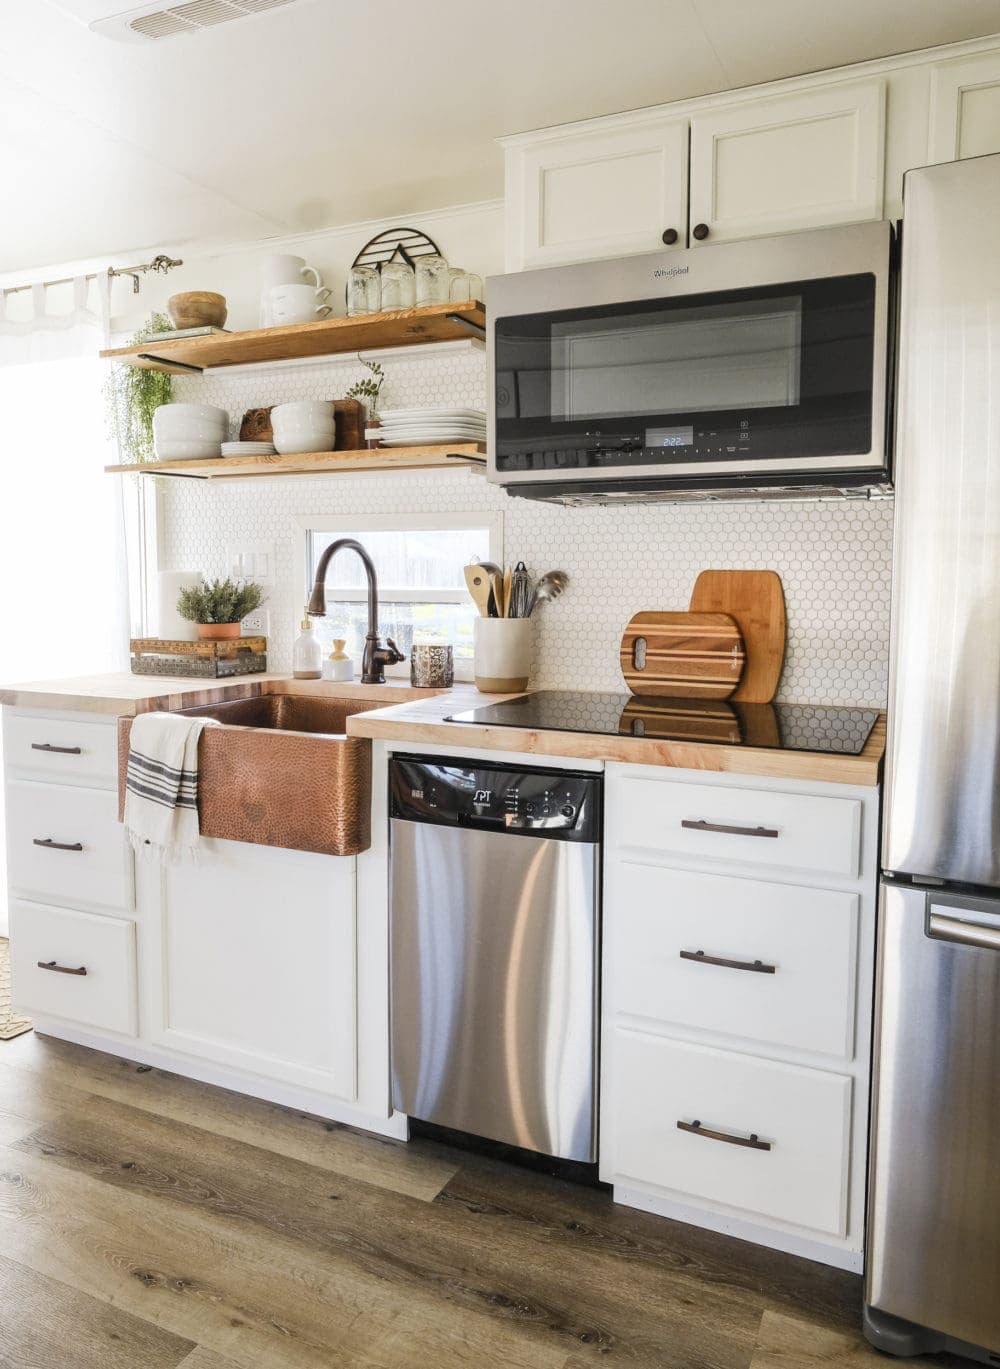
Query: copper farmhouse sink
{"points": [[280, 772]]}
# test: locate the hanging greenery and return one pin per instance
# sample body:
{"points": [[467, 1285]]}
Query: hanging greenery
{"points": [[133, 394]]}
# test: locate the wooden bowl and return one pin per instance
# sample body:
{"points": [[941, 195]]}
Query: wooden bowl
{"points": [[197, 309]]}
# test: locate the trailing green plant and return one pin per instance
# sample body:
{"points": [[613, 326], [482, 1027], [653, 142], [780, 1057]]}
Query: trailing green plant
{"points": [[219, 601], [133, 394], [368, 389]]}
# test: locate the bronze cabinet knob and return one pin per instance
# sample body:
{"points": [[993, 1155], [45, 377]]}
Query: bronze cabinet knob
{"points": [[670, 236], [700, 231]]}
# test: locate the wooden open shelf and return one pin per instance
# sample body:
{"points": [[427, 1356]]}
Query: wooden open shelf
{"points": [[443, 456], [292, 342]]}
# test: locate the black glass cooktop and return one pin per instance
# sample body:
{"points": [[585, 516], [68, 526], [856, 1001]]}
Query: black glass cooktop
{"points": [[789, 727]]}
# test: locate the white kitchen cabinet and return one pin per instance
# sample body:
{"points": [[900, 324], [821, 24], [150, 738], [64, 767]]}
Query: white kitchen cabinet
{"points": [[255, 950], [965, 107], [607, 188], [65, 845], [809, 159], [737, 985]]}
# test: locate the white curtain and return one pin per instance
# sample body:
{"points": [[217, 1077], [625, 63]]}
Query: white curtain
{"points": [[63, 581]]}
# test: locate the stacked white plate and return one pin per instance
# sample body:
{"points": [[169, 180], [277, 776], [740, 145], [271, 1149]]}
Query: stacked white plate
{"points": [[248, 449], [413, 427]]}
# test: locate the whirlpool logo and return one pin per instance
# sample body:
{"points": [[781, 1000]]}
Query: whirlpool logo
{"points": [[665, 272]]}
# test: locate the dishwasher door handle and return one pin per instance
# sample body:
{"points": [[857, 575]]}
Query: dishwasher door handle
{"points": [[984, 935]]}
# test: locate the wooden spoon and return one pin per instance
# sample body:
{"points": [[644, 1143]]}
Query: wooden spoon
{"points": [[498, 595], [478, 582]]}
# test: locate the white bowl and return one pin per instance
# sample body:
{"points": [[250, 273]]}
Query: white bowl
{"points": [[312, 411], [288, 445], [200, 412], [192, 432], [300, 429], [185, 451]]}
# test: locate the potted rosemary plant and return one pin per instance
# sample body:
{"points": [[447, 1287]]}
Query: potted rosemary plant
{"points": [[218, 606]]}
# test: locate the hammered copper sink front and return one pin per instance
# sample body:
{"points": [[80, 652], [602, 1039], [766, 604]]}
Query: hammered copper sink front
{"points": [[280, 773]]}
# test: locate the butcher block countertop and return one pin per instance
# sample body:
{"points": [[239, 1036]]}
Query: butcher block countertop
{"points": [[413, 715]]}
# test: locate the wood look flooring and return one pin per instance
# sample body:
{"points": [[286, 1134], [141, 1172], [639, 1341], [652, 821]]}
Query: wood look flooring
{"points": [[149, 1221]]}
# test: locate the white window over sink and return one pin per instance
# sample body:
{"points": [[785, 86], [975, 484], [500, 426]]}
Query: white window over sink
{"points": [[419, 562]]}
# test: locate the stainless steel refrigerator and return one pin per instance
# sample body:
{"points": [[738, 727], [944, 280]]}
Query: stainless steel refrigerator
{"points": [[933, 1264]]}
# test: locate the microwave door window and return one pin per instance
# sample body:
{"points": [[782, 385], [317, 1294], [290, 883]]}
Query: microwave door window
{"points": [[680, 360]]}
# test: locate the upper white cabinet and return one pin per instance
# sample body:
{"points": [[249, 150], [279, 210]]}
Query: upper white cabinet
{"points": [[604, 189], [615, 186], [806, 160], [965, 108]]}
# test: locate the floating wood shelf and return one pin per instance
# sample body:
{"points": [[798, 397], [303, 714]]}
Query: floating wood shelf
{"points": [[441, 456], [293, 342]]}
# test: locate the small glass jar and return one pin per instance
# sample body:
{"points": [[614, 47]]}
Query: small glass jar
{"points": [[432, 280], [432, 665], [398, 285], [464, 285], [364, 291]]}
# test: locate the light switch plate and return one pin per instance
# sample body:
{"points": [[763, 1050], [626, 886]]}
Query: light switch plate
{"points": [[251, 561]]}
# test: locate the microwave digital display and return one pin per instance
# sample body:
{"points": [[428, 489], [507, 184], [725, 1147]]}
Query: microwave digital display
{"points": [[670, 437]]}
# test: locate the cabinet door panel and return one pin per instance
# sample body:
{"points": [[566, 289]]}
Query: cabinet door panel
{"points": [[658, 919], [965, 108], [259, 963], [802, 1115], [597, 194], [65, 845], [808, 160]]}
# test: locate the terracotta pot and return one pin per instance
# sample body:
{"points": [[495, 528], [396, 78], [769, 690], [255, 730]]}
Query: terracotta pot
{"points": [[197, 309], [218, 632]]}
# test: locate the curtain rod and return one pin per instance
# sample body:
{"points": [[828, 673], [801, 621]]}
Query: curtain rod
{"points": [[161, 264]]}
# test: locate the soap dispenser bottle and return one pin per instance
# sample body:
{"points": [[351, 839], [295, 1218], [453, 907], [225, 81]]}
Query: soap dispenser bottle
{"points": [[338, 665], [307, 654]]}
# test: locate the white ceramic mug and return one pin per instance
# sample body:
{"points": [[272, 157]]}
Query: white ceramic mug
{"points": [[297, 304], [281, 268], [502, 654]]}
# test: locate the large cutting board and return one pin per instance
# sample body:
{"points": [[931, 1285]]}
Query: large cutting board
{"points": [[685, 655], [756, 600]]}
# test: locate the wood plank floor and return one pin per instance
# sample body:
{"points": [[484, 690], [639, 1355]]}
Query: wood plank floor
{"points": [[151, 1221]]}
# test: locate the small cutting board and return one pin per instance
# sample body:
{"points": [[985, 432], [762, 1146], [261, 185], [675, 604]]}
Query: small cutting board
{"points": [[756, 599], [685, 655]]}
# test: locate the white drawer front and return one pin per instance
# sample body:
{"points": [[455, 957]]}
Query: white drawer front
{"points": [[803, 1114], [658, 919], [88, 860], [793, 831], [104, 947], [60, 750]]}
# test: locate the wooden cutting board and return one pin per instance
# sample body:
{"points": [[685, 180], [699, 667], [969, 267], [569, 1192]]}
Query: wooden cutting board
{"points": [[756, 599], [685, 655]]}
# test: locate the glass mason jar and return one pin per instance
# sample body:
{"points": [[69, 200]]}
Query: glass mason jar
{"points": [[398, 285], [464, 285], [364, 291], [432, 280]]}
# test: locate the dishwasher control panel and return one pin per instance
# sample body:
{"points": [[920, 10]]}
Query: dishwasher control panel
{"points": [[563, 804]]}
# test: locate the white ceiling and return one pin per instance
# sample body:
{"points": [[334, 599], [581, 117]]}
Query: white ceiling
{"points": [[329, 111]]}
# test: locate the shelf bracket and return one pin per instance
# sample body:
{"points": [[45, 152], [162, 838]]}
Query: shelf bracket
{"points": [[468, 460], [476, 329], [169, 361]]}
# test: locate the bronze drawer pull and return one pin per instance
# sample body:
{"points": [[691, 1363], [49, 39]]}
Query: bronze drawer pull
{"points": [[752, 1142], [51, 845], [702, 826], [62, 750], [60, 969], [757, 966]]}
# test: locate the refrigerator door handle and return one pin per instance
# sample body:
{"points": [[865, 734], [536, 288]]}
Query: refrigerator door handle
{"points": [[966, 932]]}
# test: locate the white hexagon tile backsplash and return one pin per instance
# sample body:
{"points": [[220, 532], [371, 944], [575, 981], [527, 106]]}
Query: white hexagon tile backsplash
{"points": [[833, 556]]}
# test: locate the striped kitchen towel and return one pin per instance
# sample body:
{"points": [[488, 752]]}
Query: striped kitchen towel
{"points": [[161, 784]]}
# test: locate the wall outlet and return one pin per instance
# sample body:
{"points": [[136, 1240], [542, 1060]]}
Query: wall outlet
{"points": [[257, 624]]}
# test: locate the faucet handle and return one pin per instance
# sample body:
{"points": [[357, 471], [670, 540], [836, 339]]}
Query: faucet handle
{"points": [[397, 655]]}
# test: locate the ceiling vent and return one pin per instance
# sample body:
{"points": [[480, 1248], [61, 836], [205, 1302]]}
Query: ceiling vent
{"points": [[151, 23]]}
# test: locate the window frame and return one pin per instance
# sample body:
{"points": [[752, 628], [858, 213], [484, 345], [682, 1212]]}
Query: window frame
{"points": [[351, 524]]}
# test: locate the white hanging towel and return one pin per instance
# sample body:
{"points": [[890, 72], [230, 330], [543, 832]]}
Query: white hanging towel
{"points": [[161, 784]]}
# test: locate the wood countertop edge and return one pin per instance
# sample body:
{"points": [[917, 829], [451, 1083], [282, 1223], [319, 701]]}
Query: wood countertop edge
{"points": [[400, 725]]}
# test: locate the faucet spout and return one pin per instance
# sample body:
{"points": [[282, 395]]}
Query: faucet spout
{"points": [[376, 656]]}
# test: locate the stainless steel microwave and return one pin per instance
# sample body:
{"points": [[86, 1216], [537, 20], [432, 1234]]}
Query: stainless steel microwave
{"points": [[755, 367]]}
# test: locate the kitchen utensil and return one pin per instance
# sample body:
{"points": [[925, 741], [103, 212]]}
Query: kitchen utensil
{"points": [[508, 580], [756, 600], [496, 584], [477, 578], [685, 655], [197, 309], [502, 654], [298, 304], [548, 587], [519, 604]]}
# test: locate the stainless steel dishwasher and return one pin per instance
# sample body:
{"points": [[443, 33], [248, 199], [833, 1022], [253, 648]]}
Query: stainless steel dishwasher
{"points": [[494, 897]]}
